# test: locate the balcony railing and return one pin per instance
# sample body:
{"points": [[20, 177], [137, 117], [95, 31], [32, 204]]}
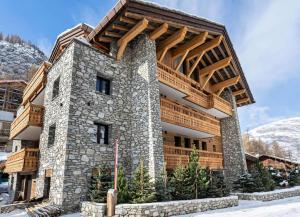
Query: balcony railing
{"points": [[36, 84], [31, 116], [179, 155], [192, 89], [4, 132], [177, 114], [25, 160]]}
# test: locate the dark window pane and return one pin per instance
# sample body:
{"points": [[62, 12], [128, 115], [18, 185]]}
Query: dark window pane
{"points": [[103, 85], [204, 146], [187, 143], [102, 134], [55, 90], [51, 135], [177, 140]]}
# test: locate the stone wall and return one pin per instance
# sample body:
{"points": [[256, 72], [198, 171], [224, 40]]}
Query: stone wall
{"points": [[271, 195], [93, 209], [131, 111], [233, 150], [162, 208], [56, 112]]}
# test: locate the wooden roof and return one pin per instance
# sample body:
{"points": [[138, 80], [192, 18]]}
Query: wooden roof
{"points": [[80, 30], [265, 157], [131, 17]]}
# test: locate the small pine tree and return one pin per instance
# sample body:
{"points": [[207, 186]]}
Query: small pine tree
{"points": [[217, 186], [163, 187], [246, 184], [179, 183], [197, 177], [122, 187], [294, 177], [263, 176], [100, 184], [142, 189]]}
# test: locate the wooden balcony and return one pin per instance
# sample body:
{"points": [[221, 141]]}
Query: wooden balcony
{"points": [[174, 113], [25, 160], [32, 116], [192, 89], [178, 155], [36, 84]]}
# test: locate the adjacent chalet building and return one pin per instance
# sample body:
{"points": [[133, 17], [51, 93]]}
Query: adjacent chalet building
{"points": [[158, 79]]}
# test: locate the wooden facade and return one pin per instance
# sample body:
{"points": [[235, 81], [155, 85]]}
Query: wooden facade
{"points": [[36, 84], [24, 160], [32, 115]]}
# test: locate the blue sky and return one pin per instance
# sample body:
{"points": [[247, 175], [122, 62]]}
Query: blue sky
{"points": [[265, 35]]}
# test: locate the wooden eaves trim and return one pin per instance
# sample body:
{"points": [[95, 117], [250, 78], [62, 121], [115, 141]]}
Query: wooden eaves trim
{"points": [[219, 87], [131, 34]]}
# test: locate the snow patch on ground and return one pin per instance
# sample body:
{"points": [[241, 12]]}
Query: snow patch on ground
{"points": [[289, 207]]}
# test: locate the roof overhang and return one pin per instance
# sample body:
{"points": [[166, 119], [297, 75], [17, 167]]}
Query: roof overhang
{"points": [[128, 15]]}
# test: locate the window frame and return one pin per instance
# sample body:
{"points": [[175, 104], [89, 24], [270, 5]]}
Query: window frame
{"points": [[101, 79], [49, 145], [55, 91], [106, 133]]}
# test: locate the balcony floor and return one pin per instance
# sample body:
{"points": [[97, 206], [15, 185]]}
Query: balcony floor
{"points": [[30, 133], [179, 96], [184, 131]]}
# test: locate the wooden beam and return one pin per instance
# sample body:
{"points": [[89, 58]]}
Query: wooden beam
{"points": [[205, 47], [200, 51], [219, 87], [244, 100], [119, 27], [181, 60], [162, 29], [131, 34], [239, 92], [190, 45], [105, 39], [112, 34], [170, 42], [215, 67], [127, 20]]}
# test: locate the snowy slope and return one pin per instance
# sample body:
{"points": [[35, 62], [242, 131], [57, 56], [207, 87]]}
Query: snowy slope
{"points": [[16, 59], [286, 132]]}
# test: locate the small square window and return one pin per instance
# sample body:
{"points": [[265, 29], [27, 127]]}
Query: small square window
{"points": [[102, 134], [196, 143], [51, 135], [103, 85], [55, 90]]}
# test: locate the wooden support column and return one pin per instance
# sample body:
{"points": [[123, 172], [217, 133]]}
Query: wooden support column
{"points": [[207, 72], [131, 34], [200, 51], [170, 42], [159, 31], [219, 87]]}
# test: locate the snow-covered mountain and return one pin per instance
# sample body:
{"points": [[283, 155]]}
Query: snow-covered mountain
{"points": [[286, 132], [17, 58]]}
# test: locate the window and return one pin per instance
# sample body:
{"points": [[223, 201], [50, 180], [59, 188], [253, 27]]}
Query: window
{"points": [[103, 85], [55, 90], [187, 143], [214, 148], [204, 146], [196, 143], [177, 140], [102, 134], [16, 148], [51, 135]]}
